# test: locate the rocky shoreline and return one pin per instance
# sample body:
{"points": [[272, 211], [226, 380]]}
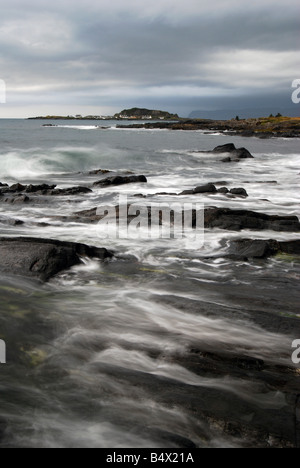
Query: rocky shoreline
{"points": [[55, 256], [271, 127], [275, 424]]}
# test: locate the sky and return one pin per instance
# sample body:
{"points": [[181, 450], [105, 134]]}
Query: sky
{"points": [[65, 57]]}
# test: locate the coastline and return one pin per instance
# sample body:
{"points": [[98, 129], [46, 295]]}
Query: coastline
{"points": [[269, 127]]}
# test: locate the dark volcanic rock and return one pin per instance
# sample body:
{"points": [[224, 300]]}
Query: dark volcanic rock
{"points": [[15, 188], [228, 148], [223, 190], [239, 191], [43, 258], [69, 191], [259, 248], [235, 220], [208, 188], [237, 153], [248, 248], [39, 188], [119, 180], [222, 218], [45, 189]]}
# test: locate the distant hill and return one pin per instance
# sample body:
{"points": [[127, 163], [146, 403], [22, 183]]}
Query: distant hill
{"points": [[227, 114], [145, 114]]}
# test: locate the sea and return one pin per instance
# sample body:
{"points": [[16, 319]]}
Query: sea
{"points": [[115, 354]]}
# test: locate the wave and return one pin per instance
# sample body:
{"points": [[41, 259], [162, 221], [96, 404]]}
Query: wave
{"points": [[37, 163], [76, 127]]}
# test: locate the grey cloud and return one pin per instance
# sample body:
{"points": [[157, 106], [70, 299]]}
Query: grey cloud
{"points": [[109, 52]]}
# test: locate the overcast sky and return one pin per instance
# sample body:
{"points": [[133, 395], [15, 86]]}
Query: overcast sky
{"points": [[100, 56]]}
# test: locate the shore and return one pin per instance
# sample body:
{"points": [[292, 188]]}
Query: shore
{"points": [[265, 127]]}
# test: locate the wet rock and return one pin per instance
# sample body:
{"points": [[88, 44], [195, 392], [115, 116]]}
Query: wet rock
{"points": [[45, 189], [43, 258], [223, 218], [70, 191], [228, 148], [221, 182], [10, 221], [239, 191], [237, 153], [259, 248], [236, 220], [87, 216], [17, 200], [39, 188], [226, 160], [186, 192], [248, 248], [119, 180], [223, 190], [99, 171], [290, 247], [208, 188], [16, 188]]}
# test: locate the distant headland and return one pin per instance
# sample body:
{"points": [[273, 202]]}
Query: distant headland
{"points": [[126, 114]]}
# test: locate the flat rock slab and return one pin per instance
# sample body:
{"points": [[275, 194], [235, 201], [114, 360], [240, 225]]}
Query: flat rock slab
{"points": [[43, 189], [43, 258], [259, 248], [119, 180], [236, 220]]}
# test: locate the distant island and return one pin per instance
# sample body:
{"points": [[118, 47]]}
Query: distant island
{"points": [[145, 114], [126, 114]]}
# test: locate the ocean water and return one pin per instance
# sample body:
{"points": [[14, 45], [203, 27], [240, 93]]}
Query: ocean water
{"points": [[109, 355]]}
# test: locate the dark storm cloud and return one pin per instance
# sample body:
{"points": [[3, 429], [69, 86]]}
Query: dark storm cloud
{"points": [[103, 53]]}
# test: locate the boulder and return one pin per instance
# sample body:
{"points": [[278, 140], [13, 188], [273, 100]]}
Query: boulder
{"points": [[237, 153], [208, 188], [228, 148], [43, 258], [239, 191]]}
